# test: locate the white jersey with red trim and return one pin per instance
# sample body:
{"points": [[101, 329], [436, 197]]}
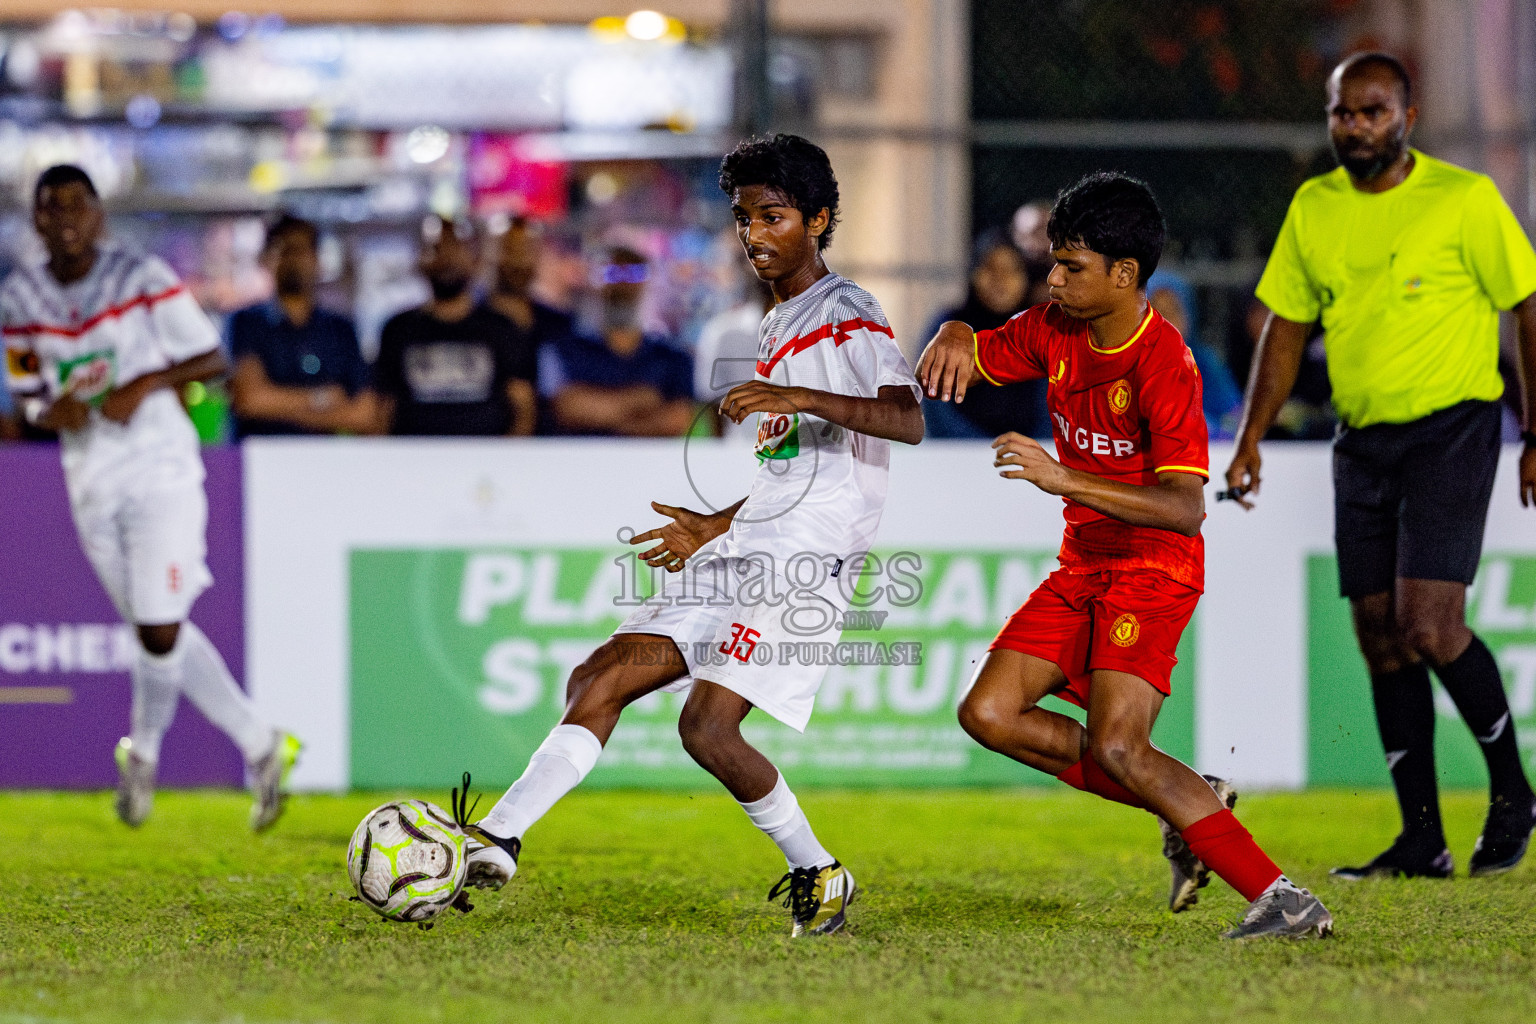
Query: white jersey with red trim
{"points": [[820, 487], [129, 316]]}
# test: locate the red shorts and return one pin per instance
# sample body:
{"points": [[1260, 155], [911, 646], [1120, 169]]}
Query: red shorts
{"points": [[1127, 621]]}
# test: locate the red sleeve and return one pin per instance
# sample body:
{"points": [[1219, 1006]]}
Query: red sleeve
{"points": [[1014, 351], [1175, 418]]}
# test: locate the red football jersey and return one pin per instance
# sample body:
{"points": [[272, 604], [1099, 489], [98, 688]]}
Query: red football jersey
{"points": [[1126, 414]]}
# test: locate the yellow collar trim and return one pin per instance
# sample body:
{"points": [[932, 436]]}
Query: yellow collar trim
{"points": [[1133, 339]]}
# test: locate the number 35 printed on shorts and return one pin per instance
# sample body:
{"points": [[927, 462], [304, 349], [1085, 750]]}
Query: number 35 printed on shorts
{"points": [[743, 641]]}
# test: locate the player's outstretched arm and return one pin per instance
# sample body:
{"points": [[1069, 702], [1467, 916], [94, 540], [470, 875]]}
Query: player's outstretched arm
{"points": [[894, 415], [685, 534], [1175, 503], [947, 367], [123, 401], [1276, 362]]}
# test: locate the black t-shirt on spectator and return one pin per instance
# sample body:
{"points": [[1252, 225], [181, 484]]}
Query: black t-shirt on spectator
{"points": [[451, 378], [322, 351]]}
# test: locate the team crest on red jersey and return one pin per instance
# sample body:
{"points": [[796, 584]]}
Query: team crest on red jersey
{"points": [[1120, 396], [1126, 630]]}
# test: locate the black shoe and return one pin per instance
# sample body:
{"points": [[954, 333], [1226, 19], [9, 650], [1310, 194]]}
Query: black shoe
{"points": [[1402, 861], [1505, 837]]}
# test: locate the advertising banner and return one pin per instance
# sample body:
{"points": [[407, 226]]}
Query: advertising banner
{"points": [[459, 659], [1343, 747], [445, 589], [65, 654]]}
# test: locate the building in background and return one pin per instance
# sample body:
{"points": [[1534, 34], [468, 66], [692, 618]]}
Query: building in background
{"points": [[197, 121]]}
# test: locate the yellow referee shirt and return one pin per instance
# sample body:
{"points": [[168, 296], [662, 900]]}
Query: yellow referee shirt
{"points": [[1408, 283]]}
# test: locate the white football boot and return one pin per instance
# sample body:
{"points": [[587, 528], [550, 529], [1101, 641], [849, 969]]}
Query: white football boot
{"points": [[491, 860]]}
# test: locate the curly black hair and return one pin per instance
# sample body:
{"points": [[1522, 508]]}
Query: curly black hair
{"points": [[1114, 215], [794, 167]]}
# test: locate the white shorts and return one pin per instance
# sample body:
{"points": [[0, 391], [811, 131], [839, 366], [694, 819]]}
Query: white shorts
{"points": [[775, 654], [148, 548]]}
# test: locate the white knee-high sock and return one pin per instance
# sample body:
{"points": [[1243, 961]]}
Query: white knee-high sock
{"points": [[557, 767], [206, 681], [156, 689], [779, 816]]}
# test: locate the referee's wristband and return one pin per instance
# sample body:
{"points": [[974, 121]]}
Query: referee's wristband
{"points": [[1529, 438]]}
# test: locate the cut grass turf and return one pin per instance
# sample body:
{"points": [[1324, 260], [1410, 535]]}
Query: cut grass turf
{"points": [[977, 906]]}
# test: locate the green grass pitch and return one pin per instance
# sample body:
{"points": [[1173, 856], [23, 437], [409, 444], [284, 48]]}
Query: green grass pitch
{"points": [[977, 906]]}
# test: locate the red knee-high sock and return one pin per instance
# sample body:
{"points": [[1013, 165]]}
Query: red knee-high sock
{"points": [[1227, 849], [1087, 776]]}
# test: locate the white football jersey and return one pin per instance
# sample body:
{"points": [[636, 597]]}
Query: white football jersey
{"points": [[820, 487], [129, 316]]}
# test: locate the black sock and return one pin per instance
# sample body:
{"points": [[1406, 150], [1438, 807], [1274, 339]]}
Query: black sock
{"points": [[1474, 684], [1405, 716]]}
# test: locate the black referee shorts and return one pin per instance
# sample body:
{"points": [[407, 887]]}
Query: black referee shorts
{"points": [[1410, 500]]}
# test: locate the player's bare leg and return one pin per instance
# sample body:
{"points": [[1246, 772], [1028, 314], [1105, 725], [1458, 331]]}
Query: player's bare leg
{"points": [[624, 669], [1000, 712], [817, 889], [1122, 709]]}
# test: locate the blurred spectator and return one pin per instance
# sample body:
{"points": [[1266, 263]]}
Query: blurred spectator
{"points": [[297, 369], [562, 271], [1221, 398], [625, 382], [726, 354], [1028, 233], [998, 289], [1308, 414], [518, 255], [454, 366]]}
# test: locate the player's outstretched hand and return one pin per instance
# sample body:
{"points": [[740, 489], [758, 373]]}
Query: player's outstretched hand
{"points": [[1023, 458], [946, 365], [1243, 474], [760, 396], [1528, 477], [678, 540], [121, 403]]}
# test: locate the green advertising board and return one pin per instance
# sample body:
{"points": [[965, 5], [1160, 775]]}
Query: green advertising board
{"points": [[1343, 748], [459, 659]]}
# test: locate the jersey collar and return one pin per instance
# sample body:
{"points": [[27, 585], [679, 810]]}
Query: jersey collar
{"points": [[1146, 321]]}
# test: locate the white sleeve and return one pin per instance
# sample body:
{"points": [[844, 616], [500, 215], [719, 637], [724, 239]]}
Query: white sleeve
{"points": [[877, 361], [182, 330]]}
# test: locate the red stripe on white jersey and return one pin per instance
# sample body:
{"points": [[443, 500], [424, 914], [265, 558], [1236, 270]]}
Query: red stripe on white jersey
{"points": [[106, 314], [839, 333]]}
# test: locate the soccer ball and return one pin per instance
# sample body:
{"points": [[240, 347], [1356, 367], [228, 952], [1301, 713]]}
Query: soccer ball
{"points": [[407, 860]]}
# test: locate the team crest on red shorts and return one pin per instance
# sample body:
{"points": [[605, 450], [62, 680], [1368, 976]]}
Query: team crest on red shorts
{"points": [[1126, 631], [1120, 397]]}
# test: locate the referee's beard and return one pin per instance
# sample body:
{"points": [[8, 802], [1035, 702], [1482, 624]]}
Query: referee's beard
{"points": [[1365, 162]]}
